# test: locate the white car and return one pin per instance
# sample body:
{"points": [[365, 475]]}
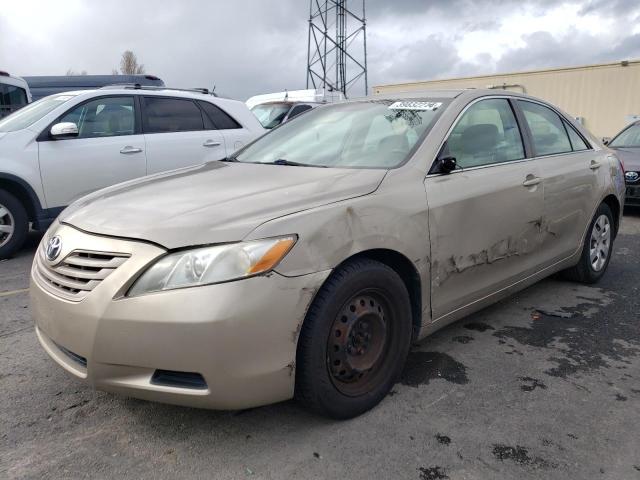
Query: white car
{"points": [[65, 146]]}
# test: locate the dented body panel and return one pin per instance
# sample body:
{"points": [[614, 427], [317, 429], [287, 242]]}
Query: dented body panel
{"points": [[470, 238]]}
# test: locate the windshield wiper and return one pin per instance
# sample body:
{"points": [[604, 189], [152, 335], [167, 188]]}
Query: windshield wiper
{"points": [[229, 159], [282, 161]]}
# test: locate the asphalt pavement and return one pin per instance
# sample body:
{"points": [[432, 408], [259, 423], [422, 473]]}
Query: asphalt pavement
{"points": [[545, 384]]}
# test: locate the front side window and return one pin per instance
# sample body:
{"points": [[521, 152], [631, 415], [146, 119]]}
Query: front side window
{"points": [[487, 133], [547, 130], [103, 117], [27, 116], [165, 115], [365, 134], [628, 138]]}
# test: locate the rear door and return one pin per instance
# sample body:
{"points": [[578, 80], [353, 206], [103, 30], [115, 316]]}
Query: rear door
{"points": [[109, 149], [216, 118], [175, 134], [483, 217], [573, 176]]}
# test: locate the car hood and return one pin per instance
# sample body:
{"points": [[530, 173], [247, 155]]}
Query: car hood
{"points": [[630, 157], [213, 203]]}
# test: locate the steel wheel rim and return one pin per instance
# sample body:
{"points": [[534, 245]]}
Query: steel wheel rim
{"points": [[7, 225], [358, 343], [600, 243]]}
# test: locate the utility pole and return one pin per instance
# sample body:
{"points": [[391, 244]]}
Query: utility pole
{"points": [[337, 46]]}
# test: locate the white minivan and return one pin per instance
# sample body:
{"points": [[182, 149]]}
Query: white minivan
{"points": [[65, 146]]}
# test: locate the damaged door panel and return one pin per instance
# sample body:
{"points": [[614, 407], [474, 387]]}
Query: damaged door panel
{"points": [[485, 216], [484, 230]]}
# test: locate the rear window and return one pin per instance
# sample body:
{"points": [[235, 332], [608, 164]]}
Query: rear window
{"points": [[164, 115], [12, 98]]}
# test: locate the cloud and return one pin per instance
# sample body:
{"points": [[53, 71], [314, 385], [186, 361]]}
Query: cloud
{"points": [[246, 47], [542, 50]]}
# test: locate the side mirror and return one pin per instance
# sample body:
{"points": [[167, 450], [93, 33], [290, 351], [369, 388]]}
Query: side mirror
{"points": [[64, 130], [447, 164], [606, 140]]}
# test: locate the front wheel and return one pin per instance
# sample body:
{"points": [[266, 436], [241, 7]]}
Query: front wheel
{"points": [[597, 248], [354, 341], [14, 224]]}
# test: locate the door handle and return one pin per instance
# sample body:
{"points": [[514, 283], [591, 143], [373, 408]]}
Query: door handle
{"points": [[211, 143], [595, 165], [130, 149], [531, 182]]}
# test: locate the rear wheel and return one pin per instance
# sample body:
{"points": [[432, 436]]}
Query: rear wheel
{"points": [[597, 248], [354, 341], [14, 224]]}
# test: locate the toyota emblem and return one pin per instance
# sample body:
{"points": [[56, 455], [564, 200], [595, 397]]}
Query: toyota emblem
{"points": [[54, 247], [632, 176]]}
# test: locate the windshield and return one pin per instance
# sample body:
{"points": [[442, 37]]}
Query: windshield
{"points": [[270, 115], [27, 116], [366, 134], [628, 138]]}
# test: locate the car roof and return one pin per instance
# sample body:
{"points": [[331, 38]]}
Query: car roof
{"points": [[161, 92]]}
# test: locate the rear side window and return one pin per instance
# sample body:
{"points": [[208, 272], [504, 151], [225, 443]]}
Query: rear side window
{"points": [[577, 142], [164, 115], [487, 133], [298, 109], [547, 129], [220, 119]]}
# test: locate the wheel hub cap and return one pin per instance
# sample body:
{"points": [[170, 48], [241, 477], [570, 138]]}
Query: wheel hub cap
{"points": [[7, 225], [600, 243], [357, 339]]}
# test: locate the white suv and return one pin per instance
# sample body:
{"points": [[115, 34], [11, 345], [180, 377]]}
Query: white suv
{"points": [[64, 146]]}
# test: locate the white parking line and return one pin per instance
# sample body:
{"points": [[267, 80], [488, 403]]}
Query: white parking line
{"points": [[13, 292]]}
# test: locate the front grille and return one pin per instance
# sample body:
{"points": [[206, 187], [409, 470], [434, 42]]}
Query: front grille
{"points": [[78, 273]]}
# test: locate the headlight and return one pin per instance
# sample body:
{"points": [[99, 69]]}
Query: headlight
{"points": [[204, 266]]}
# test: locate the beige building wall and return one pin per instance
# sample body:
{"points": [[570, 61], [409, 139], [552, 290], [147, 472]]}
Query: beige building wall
{"points": [[605, 96]]}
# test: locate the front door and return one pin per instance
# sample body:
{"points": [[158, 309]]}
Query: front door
{"points": [[484, 217], [107, 150]]}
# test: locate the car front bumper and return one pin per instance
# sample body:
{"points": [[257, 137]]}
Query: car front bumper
{"points": [[240, 337]]}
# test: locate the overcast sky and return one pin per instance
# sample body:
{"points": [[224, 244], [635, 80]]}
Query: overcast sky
{"points": [[246, 47]]}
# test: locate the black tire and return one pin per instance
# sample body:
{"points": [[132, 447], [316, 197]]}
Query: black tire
{"points": [[374, 344], [584, 271], [10, 244]]}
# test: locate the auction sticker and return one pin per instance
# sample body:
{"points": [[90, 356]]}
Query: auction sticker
{"points": [[423, 106]]}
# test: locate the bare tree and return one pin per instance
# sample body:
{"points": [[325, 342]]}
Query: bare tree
{"points": [[72, 73], [129, 64], [114, 71]]}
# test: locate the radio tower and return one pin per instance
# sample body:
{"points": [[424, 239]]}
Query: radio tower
{"points": [[337, 46]]}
